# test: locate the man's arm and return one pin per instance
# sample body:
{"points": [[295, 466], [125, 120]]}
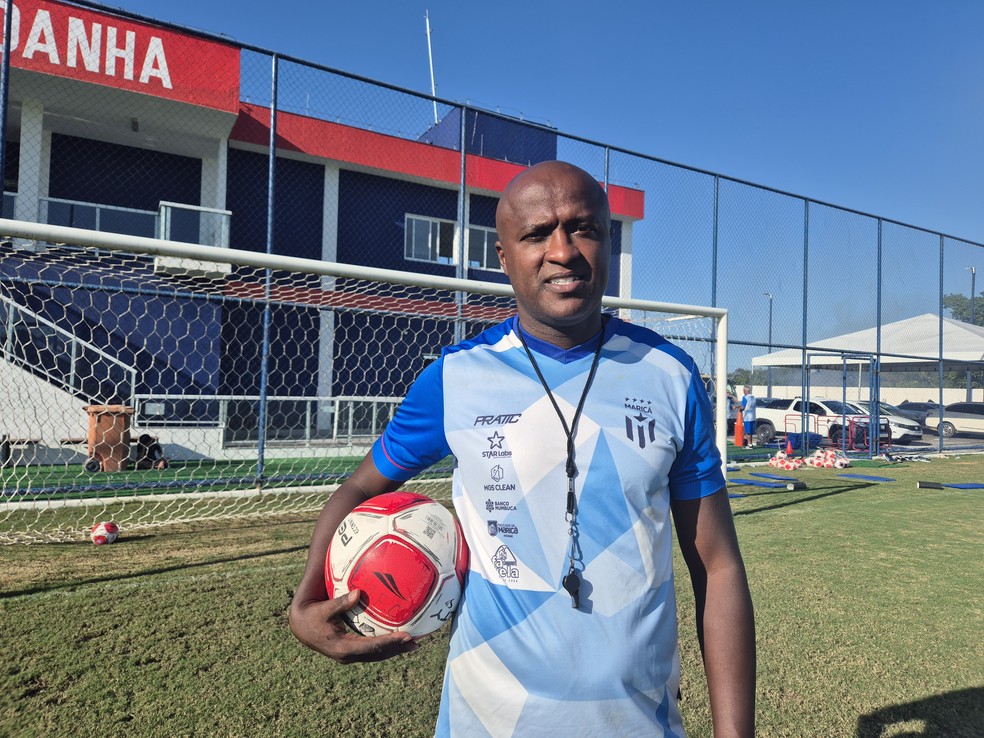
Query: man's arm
{"points": [[315, 620], [725, 623]]}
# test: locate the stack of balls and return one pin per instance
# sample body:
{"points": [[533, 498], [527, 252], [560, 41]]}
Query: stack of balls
{"points": [[782, 461], [828, 459]]}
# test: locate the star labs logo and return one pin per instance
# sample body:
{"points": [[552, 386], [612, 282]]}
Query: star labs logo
{"points": [[640, 425], [495, 447]]}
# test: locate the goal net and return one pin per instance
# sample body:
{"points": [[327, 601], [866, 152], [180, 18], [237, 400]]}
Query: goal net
{"points": [[152, 382]]}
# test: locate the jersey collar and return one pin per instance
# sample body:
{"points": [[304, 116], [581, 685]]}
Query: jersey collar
{"points": [[564, 356]]}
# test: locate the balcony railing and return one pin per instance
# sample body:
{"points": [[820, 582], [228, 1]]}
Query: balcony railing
{"points": [[305, 420], [173, 221]]}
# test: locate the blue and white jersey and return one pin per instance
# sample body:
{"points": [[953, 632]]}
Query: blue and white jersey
{"points": [[748, 408], [522, 660]]}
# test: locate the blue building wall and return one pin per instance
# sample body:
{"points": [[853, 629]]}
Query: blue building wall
{"points": [[110, 174], [298, 224], [299, 215], [372, 214], [292, 363], [496, 138]]}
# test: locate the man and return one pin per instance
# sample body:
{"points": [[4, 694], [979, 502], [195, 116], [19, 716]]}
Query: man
{"points": [[601, 428], [748, 415]]}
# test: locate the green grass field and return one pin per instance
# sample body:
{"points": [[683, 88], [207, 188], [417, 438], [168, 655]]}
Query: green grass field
{"points": [[868, 597]]}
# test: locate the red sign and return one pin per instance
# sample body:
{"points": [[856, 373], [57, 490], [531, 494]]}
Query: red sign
{"points": [[71, 42]]}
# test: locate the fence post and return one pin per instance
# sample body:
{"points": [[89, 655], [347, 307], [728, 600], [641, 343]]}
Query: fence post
{"points": [[265, 345], [939, 418], [8, 13], [874, 408], [804, 379], [462, 226]]}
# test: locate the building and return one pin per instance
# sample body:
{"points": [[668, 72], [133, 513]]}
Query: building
{"points": [[121, 125]]}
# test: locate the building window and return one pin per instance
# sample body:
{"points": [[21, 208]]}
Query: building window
{"points": [[429, 239], [481, 249], [432, 239]]}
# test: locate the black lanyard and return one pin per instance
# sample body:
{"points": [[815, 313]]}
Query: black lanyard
{"points": [[571, 582]]}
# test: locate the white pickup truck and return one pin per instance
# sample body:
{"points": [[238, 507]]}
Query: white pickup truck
{"points": [[828, 418]]}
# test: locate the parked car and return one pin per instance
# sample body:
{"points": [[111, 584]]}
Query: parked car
{"points": [[924, 409], [774, 417], [903, 427], [959, 417]]}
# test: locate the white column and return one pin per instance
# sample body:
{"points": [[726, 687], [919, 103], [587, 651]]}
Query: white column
{"points": [[625, 262], [326, 336], [214, 170], [35, 147]]}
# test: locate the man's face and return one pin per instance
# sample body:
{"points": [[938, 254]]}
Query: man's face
{"points": [[555, 246]]}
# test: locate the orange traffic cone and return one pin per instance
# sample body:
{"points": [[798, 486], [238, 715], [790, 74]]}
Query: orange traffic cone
{"points": [[739, 431], [789, 447]]}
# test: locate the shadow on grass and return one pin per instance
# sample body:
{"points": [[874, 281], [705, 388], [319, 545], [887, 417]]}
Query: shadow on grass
{"points": [[958, 714], [55, 586], [799, 500]]}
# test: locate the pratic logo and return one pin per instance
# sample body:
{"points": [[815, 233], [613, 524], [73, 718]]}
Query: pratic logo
{"points": [[505, 419], [56, 39]]}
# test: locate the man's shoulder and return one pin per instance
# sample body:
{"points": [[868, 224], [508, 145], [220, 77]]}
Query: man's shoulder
{"points": [[490, 337], [646, 339], [635, 332]]}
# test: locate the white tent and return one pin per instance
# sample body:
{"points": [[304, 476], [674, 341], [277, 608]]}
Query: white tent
{"points": [[914, 340]]}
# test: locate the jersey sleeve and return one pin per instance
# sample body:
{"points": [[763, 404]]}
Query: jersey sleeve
{"points": [[414, 439], [696, 472]]}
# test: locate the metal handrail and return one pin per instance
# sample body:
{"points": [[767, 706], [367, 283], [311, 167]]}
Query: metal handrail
{"points": [[71, 340]]}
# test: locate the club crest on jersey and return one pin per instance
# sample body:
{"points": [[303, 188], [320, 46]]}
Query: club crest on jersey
{"points": [[640, 425]]}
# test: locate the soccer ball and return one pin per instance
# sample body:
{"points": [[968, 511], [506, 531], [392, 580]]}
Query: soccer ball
{"points": [[407, 556], [106, 532]]}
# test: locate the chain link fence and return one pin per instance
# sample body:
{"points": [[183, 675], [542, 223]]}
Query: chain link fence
{"points": [[128, 125]]}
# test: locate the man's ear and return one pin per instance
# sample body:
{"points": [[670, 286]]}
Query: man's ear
{"points": [[502, 256]]}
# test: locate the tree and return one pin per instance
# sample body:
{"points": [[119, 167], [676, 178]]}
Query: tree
{"points": [[740, 377], [959, 307]]}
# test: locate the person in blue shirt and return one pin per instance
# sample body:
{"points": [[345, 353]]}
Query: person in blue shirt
{"points": [[748, 415], [600, 432]]}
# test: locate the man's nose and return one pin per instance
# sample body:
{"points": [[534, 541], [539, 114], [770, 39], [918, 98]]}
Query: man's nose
{"points": [[561, 247]]}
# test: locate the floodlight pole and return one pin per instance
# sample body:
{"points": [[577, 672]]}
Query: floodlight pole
{"points": [[769, 368], [430, 60], [970, 370]]}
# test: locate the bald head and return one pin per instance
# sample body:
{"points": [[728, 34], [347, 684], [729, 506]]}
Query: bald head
{"points": [[546, 179], [555, 246]]}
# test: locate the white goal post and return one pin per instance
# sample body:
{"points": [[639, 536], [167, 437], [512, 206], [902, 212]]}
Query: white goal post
{"points": [[158, 382]]}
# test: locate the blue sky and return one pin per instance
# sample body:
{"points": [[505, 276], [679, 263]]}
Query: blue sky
{"points": [[877, 106]]}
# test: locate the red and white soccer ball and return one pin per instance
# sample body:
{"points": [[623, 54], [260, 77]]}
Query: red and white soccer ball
{"points": [[407, 556], [106, 532]]}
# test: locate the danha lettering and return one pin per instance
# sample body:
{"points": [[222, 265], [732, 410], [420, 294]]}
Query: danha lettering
{"points": [[97, 48]]}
